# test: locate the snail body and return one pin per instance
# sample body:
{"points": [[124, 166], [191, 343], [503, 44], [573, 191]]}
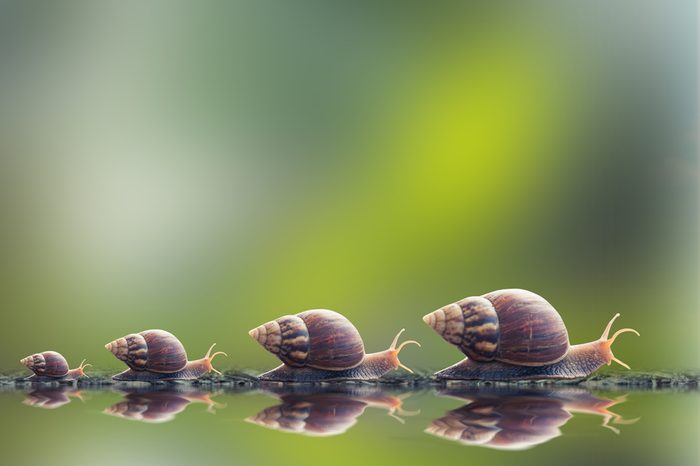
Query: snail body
{"points": [[50, 366], [515, 335], [154, 355], [321, 345]]}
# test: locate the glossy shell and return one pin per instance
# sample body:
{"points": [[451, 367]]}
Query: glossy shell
{"points": [[314, 415], [156, 406], [319, 338], [504, 423], [150, 350], [48, 364], [512, 326]]}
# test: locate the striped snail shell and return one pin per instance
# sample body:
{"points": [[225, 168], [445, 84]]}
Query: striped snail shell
{"points": [[150, 406], [48, 364], [150, 350], [512, 326], [314, 415], [319, 338], [51, 398], [512, 422]]}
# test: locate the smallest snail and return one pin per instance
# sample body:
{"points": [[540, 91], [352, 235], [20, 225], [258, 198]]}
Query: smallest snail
{"points": [[53, 397], [50, 366]]}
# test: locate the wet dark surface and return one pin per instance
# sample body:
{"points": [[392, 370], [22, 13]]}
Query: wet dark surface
{"points": [[246, 379], [236, 419]]}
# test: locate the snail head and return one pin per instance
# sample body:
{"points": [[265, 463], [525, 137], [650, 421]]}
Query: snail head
{"points": [[394, 350], [208, 358], [607, 341], [80, 370]]}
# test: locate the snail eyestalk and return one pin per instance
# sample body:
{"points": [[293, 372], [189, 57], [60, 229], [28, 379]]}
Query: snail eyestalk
{"points": [[210, 357], [392, 414], [609, 341], [395, 351], [606, 332], [397, 410], [82, 366]]}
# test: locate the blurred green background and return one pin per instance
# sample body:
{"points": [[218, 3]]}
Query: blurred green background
{"points": [[204, 167]]}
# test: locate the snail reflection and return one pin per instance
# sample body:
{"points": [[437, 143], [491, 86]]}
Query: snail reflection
{"points": [[51, 397], [157, 406], [519, 419], [325, 412]]}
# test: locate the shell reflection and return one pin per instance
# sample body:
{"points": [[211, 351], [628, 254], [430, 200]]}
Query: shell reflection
{"points": [[519, 419], [325, 412], [157, 406], [51, 398]]}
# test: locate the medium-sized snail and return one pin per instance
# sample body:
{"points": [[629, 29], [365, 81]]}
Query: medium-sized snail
{"points": [[154, 355], [321, 345], [50, 366], [158, 406], [516, 334], [326, 412]]}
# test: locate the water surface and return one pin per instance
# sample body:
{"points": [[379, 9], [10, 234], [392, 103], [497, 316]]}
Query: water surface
{"points": [[348, 424]]}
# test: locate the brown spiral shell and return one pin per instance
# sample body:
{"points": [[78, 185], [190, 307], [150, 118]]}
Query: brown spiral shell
{"points": [[48, 364], [504, 423], [315, 415], [156, 406], [50, 398], [150, 350], [513, 326], [319, 338]]}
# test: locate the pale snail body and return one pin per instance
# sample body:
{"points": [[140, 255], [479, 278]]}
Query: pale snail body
{"points": [[155, 355], [50, 366], [321, 345], [515, 335]]}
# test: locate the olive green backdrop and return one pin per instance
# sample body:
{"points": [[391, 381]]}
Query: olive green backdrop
{"points": [[205, 167]]}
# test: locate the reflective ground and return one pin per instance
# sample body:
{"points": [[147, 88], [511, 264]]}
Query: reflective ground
{"points": [[348, 424]]}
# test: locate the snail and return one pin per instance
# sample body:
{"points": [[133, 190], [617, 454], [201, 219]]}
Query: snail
{"points": [[516, 334], [322, 345], [50, 366], [154, 355], [158, 406], [324, 411], [517, 419], [52, 398]]}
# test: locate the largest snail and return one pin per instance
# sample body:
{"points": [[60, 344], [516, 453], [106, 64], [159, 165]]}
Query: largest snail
{"points": [[154, 355], [516, 334], [516, 419], [321, 345]]}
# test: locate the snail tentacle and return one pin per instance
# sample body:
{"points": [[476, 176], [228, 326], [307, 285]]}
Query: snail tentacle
{"points": [[395, 351], [607, 342], [210, 357]]}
